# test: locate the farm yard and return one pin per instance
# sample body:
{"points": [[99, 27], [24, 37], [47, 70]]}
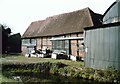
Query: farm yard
{"points": [[46, 70], [75, 47]]}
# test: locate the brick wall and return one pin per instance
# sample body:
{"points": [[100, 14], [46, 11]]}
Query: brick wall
{"points": [[24, 49], [76, 47], [43, 43]]}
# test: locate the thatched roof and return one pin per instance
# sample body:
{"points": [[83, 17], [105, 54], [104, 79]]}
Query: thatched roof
{"points": [[63, 24]]}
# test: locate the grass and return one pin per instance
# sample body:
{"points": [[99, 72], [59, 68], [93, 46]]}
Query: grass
{"points": [[23, 59], [12, 59]]}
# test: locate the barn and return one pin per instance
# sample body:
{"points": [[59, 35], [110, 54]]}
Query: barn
{"points": [[60, 33], [102, 43]]}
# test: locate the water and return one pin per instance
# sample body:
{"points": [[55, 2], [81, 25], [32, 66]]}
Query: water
{"points": [[50, 78]]}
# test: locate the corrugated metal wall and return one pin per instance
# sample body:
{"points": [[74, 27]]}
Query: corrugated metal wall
{"points": [[103, 48]]}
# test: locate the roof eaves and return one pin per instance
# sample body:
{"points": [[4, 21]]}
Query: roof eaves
{"points": [[103, 26]]}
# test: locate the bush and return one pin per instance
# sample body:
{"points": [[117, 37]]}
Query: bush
{"points": [[108, 75]]}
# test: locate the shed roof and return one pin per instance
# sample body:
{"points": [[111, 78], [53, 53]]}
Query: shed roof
{"points": [[110, 8], [65, 23], [103, 26]]}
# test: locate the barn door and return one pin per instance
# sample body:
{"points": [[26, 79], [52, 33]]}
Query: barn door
{"points": [[67, 47], [74, 47], [77, 48], [30, 48]]}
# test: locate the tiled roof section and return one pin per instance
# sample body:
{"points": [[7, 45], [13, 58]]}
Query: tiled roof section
{"points": [[61, 24], [33, 29]]}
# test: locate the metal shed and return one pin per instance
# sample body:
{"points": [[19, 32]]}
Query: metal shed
{"points": [[102, 44]]}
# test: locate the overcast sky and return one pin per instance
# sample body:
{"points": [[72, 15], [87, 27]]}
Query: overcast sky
{"points": [[18, 14]]}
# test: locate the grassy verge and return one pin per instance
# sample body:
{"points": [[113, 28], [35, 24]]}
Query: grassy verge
{"points": [[66, 68], [21, 60], [107, 76]]}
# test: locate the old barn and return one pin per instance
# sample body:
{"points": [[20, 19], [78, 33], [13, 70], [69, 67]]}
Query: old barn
{"points": [[60, 33]]}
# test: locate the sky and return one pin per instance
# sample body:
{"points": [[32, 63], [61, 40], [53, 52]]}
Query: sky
{"points": [[18, 14]]}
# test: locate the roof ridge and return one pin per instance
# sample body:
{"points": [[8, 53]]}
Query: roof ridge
{"points": [[67, 12]]}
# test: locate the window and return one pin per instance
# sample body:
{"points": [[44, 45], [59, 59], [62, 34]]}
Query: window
{"points": [[28, 41], [33, 41], [25, 41], [61, 45]]}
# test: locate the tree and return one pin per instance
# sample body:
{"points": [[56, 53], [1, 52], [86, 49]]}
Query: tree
{"points": [[14, 43], [10, 43], [5, 35]]}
